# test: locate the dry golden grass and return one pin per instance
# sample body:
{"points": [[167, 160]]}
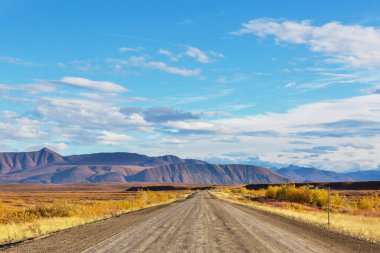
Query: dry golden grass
{"points": [[353, 202], [30, 214], [366, 227]]}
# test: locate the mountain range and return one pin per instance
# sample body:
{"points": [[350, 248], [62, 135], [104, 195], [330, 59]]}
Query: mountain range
{"points": [[306, 174], [46, 166]]}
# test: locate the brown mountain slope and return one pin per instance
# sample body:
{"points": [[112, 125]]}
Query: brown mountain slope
{"points": [[16, 161], [208, 174], [83, 174]]}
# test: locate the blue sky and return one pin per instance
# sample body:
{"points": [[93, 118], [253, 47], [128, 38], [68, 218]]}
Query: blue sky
{"points": [[259, 82]]}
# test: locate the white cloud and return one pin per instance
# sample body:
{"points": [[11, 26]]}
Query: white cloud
{"points": [[192, 126], [17, 61], [86, 113], [142, 62], [192, 52], [39, 87], [110, 138], [169, 54], [353, 45], [290, 84], [60, 146], [360, 108], [174, 141], [272, 136], [130, 49], [98, 96], [57, 146], [198, 54], [138, 99], [15, 127], [90, 84], [350, 125]]}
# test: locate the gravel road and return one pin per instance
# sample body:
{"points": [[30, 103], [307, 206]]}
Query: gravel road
{"points": [[198, 224]]}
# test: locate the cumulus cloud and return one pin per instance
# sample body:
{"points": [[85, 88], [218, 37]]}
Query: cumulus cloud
{"points": [[90, 84], [360, 111], [14, 127], [353, 45], [333, 134], [110, 138], [356, 116], [281, 137], [86, 113]]}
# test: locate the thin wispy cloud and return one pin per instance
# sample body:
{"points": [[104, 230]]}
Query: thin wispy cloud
{"points": [[172, 57], [202, 56], [130, 49], [17, 61], [186, 22], [139, 61], [91, 84], [198, 54]]}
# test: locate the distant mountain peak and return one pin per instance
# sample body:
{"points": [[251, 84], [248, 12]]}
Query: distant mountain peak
{"points": [[47, 150], [19, 161], [295, 167]]}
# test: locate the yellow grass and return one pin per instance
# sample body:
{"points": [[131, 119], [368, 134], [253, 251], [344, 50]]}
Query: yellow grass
{"points": [[355, 225], [26, 216], [365, 203]]}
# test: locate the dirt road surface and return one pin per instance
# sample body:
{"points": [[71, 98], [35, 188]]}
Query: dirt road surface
{"points": [[198, 224]]}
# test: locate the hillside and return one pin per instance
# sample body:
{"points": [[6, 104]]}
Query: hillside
{"points": [[208, 174]]}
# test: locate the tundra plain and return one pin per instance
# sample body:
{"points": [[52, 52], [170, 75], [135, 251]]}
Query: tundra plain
{"points": [[179, 220]]}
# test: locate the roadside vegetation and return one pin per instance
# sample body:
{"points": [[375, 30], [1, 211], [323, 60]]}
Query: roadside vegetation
{"points": [[356, 213], [26, 215]]}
